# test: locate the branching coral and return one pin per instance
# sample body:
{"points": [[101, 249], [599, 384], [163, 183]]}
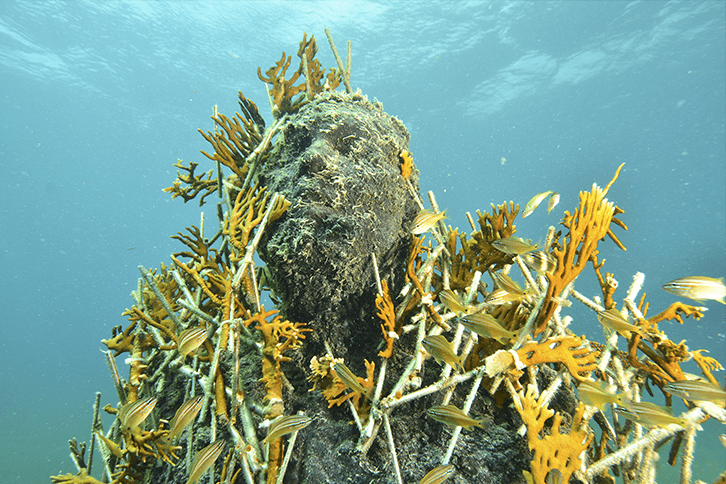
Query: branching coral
{"points": [[237, 137], [238, 377], [587, 225], [388, 315], [81, 478], [196, 184], [278, 337], [556, 451], [477, 252], [570, 351], [335, 391], [247, 213], [283, 90]]}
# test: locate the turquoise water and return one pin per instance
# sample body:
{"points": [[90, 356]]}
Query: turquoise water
{"points": [[503, 100]]}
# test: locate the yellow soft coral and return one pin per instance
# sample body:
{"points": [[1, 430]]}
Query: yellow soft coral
{"points": [[587, 226], [278, 337], [570, 351], [81, 478], [387, 314], [283, 90], [557, 450], [336, 392]]}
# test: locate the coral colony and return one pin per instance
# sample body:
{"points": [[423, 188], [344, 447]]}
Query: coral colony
{"points": [[386, 341]]}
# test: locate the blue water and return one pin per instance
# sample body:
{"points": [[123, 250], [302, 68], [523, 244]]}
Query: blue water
{"points": [[503, 100]]}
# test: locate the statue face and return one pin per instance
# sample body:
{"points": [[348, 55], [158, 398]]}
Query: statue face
{"points": [[337, 162]]}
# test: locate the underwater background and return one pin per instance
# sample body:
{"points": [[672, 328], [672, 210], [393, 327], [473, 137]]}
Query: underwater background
{"points": [[503, 100]]}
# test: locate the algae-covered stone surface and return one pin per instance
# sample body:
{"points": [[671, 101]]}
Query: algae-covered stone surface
{"points": [[337, 160]]}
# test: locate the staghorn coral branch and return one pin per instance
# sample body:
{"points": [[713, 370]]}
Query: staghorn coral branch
{"points": [[120, 392], [346, 75], [149, 278], [392, 448], [588, 224], [442, 384], [276, 207], [648, 440]]}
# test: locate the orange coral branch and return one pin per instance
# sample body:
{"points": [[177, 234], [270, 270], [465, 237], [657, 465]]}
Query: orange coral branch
{"points": [[675, 311], [278, 336], [588, 225], [247, 213], [707, 365], [219, 395], [196, 183], [557, 450], [387, 313], [568, 350], [664, 366], [406, 163], [477, 253], [194, 274], [283, 91]]}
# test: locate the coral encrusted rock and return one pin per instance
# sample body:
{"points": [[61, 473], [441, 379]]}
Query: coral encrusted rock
{"points": [[337, 160]]}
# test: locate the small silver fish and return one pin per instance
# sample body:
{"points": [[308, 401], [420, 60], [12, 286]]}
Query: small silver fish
{"points": [[554, 200], [425, 220], [697, 390], [541, 262], [454, 417], [184, 416], [440, 348], [204, 460], [507, 283], [534, 203], [487, 326], [439, 474], [347, 377], [451, 301], [500, 296], [285, 425], [191, 339], [595, 394], [132, 414], [613, 320], [514, 245], [698, 288], [650, 414], [554, 476]]}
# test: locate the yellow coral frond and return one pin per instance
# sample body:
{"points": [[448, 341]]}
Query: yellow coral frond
{"points": [[707, 364], [387, 314], [283, 90], [406, 163], [677, 311], [248, 211], [569, 350], [557, 450], [336, 392], [196, 184], [81, 478], [587, 225], [278, 337]]}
